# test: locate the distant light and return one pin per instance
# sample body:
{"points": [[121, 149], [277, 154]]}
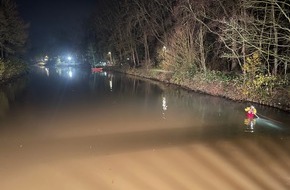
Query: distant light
{"points": [[102, 63], [69, 58], [70, 74]]}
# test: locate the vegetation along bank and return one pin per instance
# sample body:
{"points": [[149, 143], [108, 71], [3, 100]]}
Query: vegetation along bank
{"points": [[236, 49]]}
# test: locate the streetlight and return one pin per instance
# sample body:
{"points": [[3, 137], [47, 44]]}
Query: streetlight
{"points": [[164, 51], [110, 56], [164, 48]]}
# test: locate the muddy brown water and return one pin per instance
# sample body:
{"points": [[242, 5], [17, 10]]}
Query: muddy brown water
{"points": [[68, 128]]}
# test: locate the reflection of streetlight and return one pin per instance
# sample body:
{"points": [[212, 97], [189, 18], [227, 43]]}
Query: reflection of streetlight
{"points": [[110, 56], [70, 73], [111, 84], [47, 71], [164, 104], [164, 107]]}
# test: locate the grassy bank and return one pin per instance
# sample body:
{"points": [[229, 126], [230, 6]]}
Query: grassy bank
{"points": [[217, 84]]}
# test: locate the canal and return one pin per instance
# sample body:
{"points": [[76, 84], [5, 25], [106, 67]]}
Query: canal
{"points": [[67, 128]]}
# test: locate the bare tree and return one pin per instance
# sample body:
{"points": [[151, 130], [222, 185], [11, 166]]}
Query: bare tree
{"points": [[265, 29]]}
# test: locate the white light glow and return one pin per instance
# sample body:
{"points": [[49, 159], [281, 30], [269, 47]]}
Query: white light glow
{"points": [[46, 58], [164, 48], [164, 104], [47, 71], [164, 107], [111, 85]]}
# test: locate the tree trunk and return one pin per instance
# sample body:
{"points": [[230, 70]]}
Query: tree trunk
{"points": [[285, 69], [133, 57], [244, 45], [2, 52], [275, 68], [234, 61], [136, 57], [94, 60], [146, 49], [201, 48], [244, 59]]}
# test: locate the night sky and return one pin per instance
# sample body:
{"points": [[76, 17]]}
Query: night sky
{"points": [[54, 21]]}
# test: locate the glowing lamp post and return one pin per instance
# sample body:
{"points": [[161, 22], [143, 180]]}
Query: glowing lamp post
{"points": [[164, 51], [110, 56], [164, 48]]}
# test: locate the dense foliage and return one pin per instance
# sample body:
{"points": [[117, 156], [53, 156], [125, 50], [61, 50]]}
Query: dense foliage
{"points": [[13, 30], [13, 37], [248, 39], [11, 68]]}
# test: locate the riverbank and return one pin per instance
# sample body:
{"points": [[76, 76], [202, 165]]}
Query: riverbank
{"points": [[279, 98], [11, 70], [12, 78]]}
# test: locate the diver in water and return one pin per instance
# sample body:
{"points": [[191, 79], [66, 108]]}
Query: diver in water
{"points": [[250, 120], [251, 112]]}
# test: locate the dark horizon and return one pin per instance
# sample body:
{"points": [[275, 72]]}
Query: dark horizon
{"points": [[54, 23]]}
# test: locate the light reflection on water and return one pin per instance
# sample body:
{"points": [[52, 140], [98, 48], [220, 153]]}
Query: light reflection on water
{"points": [[86, 130]]}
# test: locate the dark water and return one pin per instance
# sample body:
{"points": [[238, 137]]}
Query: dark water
{"points": [[59, 114], [50, 92]]}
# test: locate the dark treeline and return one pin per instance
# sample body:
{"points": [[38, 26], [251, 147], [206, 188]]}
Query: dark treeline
{"points": [[13, 38], [246, 38], [13, 30]]}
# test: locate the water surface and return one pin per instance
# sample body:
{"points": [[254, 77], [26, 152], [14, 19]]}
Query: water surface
{"points": [[68, 128]]}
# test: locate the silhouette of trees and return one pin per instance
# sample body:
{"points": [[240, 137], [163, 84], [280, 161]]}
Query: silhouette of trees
{"points": [[263, 27], [13, 30], [197, 36]]}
